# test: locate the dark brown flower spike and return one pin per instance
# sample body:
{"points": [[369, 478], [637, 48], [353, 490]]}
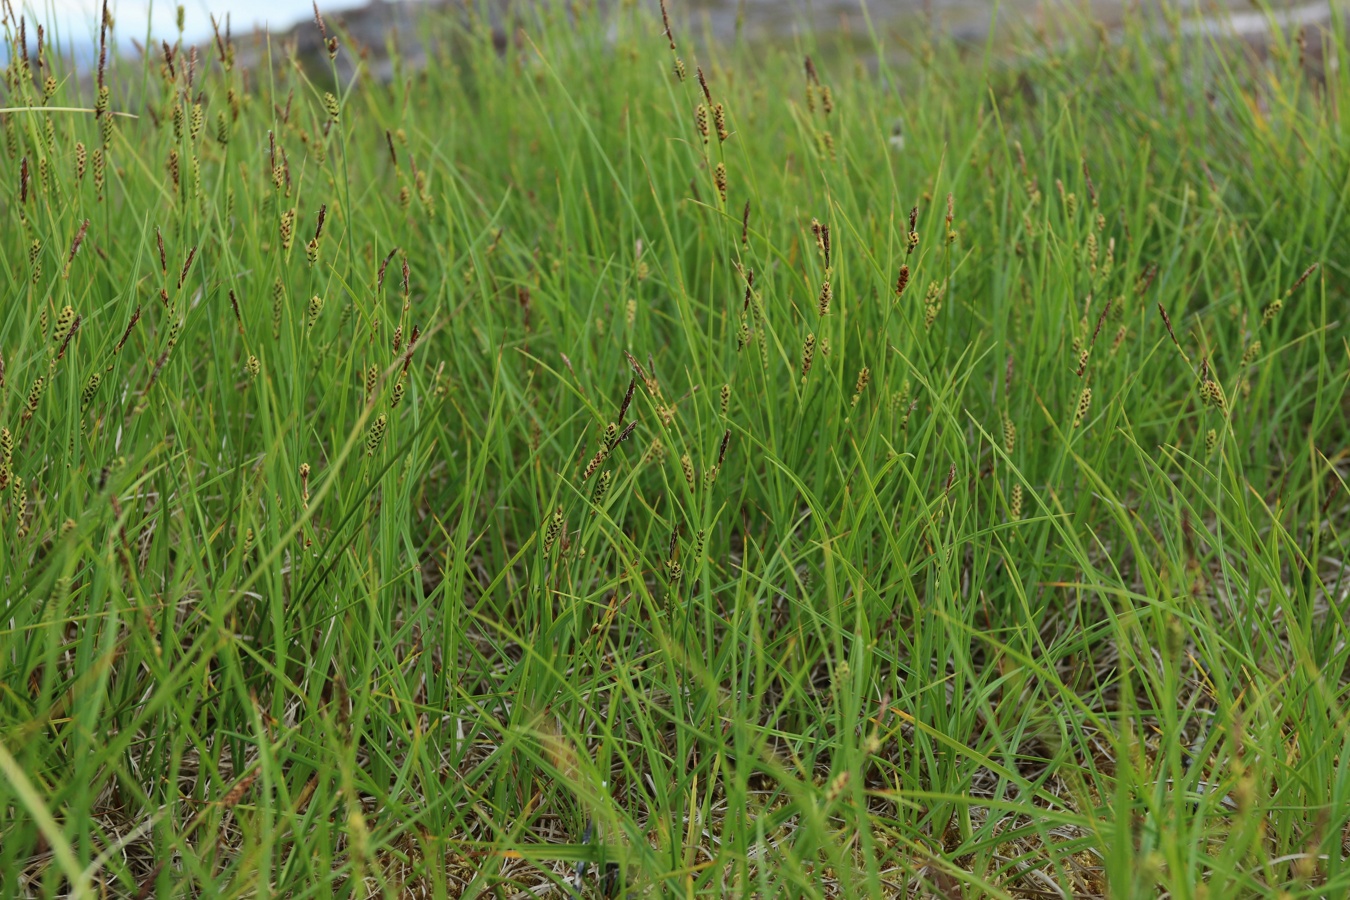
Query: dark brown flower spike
{"points": [[239, 320], [135, 317], [1168, 322], [665, 21], [187, 264], [627, 399], [379, 278]]}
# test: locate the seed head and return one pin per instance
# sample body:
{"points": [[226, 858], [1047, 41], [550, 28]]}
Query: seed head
{"points": [[1084, 403], [278, 293], [826, 295], [726, 398], [376, 434], [397, 395], [64, 319], [105, 121], [720, 121], [20, 509], [99, 165], [287, 229], [330, 105], [195, 125], [601, 488], [236, 793], [252, 366], [1211, 441], [90, 389], [175, 328], [720, 180], [864, 376], [1211, 393], [553, 530], [1015, 503], [687, 465], [35, 260], [596, 462], [808, 355], [680, 73], [701, 121], [1009, 434], [902, 280], [315, 307], [1270, 312], [34, 397]]}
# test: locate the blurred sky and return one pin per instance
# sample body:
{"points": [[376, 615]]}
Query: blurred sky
{"points": [[77, 20]]}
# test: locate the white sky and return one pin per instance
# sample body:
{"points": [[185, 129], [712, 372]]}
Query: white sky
{"points": [[76, 20]]}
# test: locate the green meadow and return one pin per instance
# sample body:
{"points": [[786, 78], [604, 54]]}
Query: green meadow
{"points": [[597, 461]]}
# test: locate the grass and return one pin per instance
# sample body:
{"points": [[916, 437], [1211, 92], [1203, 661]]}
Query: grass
{"points": [[325, 574]]}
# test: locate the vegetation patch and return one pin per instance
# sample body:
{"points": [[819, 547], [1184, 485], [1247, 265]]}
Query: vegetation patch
{"points": [[588, 464]]}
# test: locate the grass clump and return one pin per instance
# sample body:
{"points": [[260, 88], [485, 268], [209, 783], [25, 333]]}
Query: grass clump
{"points": [[484, 482]]}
